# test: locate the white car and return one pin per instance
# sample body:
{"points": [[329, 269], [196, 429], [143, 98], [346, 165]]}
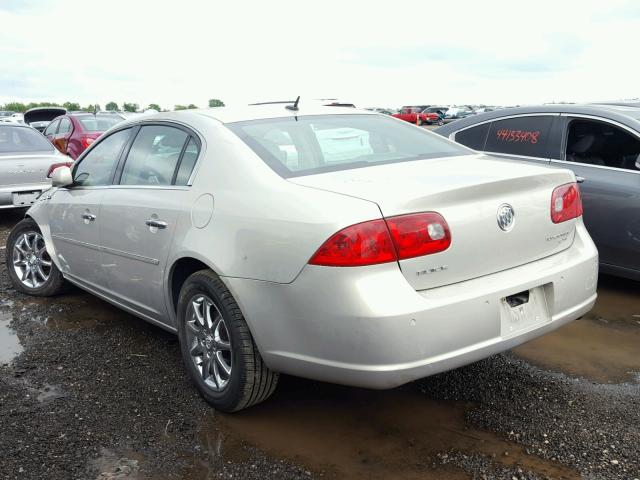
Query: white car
{"points": [[328, 243]]}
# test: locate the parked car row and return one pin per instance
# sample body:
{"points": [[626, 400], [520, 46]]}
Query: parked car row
{"points": [[323, 242]]}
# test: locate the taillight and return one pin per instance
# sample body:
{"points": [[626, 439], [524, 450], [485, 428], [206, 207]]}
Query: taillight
{"points": [[565, 203], [57, 165], [86, 141], [419, 234], [365, 243], [380, 241]]}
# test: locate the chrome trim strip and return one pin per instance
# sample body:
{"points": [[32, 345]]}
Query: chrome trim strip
{"points": [[99, 248], [132, 256], [604, 167], [73, 241], [524, 157]]}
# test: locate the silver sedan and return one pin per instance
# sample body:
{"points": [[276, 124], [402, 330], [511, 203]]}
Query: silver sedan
{"points": [[26, 157], [329, 243]]}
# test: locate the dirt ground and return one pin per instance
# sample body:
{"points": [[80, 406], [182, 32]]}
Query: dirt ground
{"points": [[90, 392]]}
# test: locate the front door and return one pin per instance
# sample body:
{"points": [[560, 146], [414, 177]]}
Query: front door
{"points": [[75, 212], [607, 157], [140, 215], [61, 138]]}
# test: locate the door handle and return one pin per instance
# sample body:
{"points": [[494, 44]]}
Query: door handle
{"points": [[152, 222], [89, 216], [580, 179]]}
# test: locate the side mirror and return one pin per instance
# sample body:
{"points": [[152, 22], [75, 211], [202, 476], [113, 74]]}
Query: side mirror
{"points": [[61, 177]]}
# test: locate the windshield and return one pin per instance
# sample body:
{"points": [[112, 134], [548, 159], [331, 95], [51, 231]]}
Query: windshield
{"points": [[98, 123], [319, 143], [22, 139]]}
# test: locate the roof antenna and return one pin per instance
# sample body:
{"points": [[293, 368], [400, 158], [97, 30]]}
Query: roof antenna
{"points": [[293, 107]]}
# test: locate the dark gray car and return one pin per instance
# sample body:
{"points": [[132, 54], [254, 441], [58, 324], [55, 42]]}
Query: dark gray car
{"points": [[600, 143]]}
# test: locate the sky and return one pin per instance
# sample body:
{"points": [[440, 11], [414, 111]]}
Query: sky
{"points": [[371, 53]]}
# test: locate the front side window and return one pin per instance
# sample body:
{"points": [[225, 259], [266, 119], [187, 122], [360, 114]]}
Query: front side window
{"points": [[22, 139], [526, 135], [51, 128], [154, 156], [65, 126], [602, 144], [306, 145], [98, 165]]}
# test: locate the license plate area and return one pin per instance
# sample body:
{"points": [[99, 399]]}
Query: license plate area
{"points": [[25, 199], [523, 311]]}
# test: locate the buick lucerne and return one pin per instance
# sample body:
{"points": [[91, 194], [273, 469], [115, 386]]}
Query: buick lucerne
{"points": [[329, 243]]}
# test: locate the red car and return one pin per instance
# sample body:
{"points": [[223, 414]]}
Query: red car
{"points": [[417, 114], [74, 132]]}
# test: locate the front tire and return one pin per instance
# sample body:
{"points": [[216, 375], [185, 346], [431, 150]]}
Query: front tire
{"points": [[217, 348], [30, 267]]}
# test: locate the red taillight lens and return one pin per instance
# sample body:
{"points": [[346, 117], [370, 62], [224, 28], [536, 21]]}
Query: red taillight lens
{"points": [[419, 234], [565, 203], [86, 141], [380, 241], [365, 243], [56, 165]]}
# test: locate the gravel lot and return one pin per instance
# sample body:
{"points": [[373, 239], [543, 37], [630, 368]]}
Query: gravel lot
{"points": [[90, 392]]}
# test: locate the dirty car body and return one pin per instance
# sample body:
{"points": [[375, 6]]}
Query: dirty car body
{"points": [[25, 159], [360, 249]]}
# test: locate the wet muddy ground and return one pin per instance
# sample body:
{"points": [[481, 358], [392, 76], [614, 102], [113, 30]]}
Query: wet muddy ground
{"points": [[90, 392]]}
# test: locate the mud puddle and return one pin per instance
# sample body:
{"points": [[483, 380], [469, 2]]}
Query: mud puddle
{"points": [[603, 346], [10, 346], [341, 432]]}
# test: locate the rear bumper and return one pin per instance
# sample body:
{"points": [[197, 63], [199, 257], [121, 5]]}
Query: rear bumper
{"points": [[6, 193], [367, 327]]}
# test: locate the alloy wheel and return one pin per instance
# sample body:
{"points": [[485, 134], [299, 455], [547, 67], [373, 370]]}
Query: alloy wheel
{"points": [[31, 262], [209, 342]]}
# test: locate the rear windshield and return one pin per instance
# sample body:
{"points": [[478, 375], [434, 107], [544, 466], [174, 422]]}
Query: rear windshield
{"points": [[98, 123], [22, 139], [311, 144]]}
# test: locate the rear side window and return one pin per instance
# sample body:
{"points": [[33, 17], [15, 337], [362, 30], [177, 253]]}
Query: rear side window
{"points": [[525, 135], [65, 126], [187, 163], [474, 137], [305, 145], [22, 139], [154, 156]]}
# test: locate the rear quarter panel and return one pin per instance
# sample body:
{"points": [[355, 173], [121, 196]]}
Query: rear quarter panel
{"points": [[261, 226]]}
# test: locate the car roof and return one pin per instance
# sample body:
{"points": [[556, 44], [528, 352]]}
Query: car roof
{"points": [[250, 112], [623, 114]]}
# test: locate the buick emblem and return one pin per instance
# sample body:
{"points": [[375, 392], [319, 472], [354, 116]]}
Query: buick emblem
{"points": [[506, 217]]}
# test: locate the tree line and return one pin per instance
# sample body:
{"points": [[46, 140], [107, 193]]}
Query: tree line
{"points": [[20, 107]]}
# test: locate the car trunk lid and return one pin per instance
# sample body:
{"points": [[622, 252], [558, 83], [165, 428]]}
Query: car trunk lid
{"points": [[468, 192], [26, 168]]}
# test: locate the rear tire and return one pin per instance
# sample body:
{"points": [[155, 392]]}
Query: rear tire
{"points": [[217, 348], [31, 269]]}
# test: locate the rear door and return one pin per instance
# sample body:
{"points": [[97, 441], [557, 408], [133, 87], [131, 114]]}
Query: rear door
{"points": [[611, 186], [141, 212]]}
